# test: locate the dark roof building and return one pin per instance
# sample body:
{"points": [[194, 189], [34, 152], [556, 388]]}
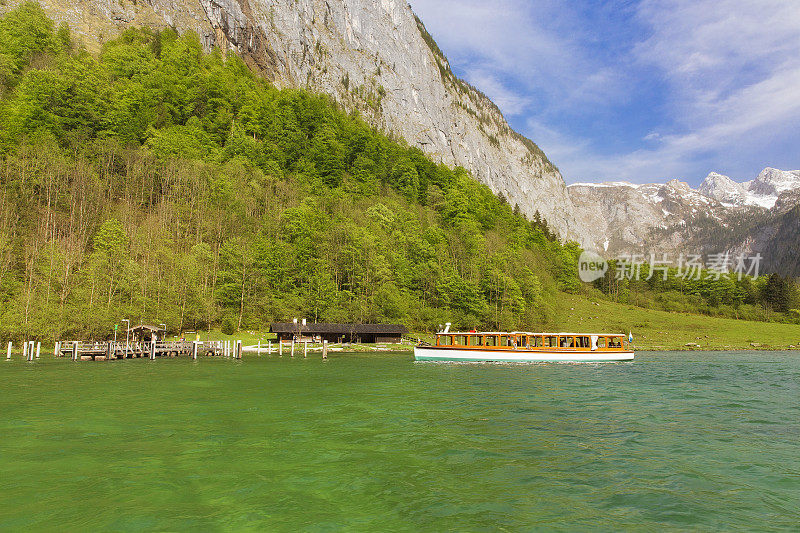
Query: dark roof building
{"points": [[144, 332], [358, 333]]}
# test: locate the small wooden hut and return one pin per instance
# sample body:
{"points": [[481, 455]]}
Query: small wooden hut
{"points": [[144, 333]]}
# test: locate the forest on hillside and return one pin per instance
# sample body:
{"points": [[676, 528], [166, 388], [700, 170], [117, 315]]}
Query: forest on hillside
{"points": [[160, 183]]}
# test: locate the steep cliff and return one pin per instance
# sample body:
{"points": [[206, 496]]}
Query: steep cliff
{"points": [[371, 56]]}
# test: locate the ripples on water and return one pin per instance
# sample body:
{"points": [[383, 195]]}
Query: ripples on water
{"points": [[673, 440]]}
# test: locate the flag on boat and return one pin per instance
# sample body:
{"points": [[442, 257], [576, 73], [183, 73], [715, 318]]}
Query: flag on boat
{"points": [[630, 337]]}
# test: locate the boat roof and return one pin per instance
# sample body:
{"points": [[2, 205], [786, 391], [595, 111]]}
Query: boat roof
{"points": [[529, 333]]}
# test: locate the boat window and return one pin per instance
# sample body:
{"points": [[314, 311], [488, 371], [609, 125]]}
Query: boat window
{"points": [[584, 342], [614, 342], [601, 342], [522, 341], [491, 340], [550, 342], [475, 340], [503, 340], [460, 340], [566, 342], [445, 340], [536, 342]]}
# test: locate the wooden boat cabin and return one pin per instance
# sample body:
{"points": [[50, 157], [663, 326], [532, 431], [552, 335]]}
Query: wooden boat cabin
{"points": [[533, 341], [519, 346]]}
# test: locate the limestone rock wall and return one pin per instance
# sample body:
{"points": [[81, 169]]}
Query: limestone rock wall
{"points": [[373, 56]]}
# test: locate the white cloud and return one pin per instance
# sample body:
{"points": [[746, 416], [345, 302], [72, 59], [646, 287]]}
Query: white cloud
{"points": [[532, 42], [733, 69], [730, 71], [509, 101]]}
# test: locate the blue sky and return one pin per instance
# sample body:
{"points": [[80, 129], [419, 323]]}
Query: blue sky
{"points": [[636, 90]]}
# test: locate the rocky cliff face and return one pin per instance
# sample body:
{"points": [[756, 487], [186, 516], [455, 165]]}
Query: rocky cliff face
{"points": [[757, 216], [723, 189], [624, 217], [372, 56]]}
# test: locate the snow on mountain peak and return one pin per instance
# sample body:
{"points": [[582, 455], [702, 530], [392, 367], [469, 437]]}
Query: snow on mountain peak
{"points": [[626, 217], [762, 191], [772, 182], [723, 189], [678, 185]]}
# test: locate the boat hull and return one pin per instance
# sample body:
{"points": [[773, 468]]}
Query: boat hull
{"points": [[433, 353]]}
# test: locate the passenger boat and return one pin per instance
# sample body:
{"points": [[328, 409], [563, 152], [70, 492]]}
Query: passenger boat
{"points": [[525, 346]]}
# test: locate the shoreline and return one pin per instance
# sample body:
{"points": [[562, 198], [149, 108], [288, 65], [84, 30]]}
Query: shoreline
{"points": [[377, 349]]}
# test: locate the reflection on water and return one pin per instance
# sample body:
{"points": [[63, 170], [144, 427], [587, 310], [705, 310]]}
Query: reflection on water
{"points": [[678, 440]]}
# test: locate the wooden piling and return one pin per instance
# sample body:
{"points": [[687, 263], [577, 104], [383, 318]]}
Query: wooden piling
{"points": [[55, 349], [8, 353], [38, 348], [324, 349], [280, 348], [292, 347], [25, 350], [153, 349], [259, 347], [269, 347], [194, 350], [75, 351], [238, 349], [305, 349]]}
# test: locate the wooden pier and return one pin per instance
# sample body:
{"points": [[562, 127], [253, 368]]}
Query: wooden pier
{"points": [[103, 351]]}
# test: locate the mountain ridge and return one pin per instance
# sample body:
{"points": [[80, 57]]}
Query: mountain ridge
{"points": [[721, 214]]}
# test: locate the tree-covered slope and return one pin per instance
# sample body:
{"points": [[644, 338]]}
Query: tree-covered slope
{"points": [[160, 183]]}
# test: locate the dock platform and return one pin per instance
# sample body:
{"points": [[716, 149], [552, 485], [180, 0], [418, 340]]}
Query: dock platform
{"points": [[103, 351]]}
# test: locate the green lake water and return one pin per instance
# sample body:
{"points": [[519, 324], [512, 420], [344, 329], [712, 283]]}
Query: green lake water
{"points": [[676, 441]]}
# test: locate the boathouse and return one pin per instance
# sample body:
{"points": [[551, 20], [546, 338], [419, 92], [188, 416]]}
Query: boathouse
{"points": [[354, 333], [145, 332]]}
